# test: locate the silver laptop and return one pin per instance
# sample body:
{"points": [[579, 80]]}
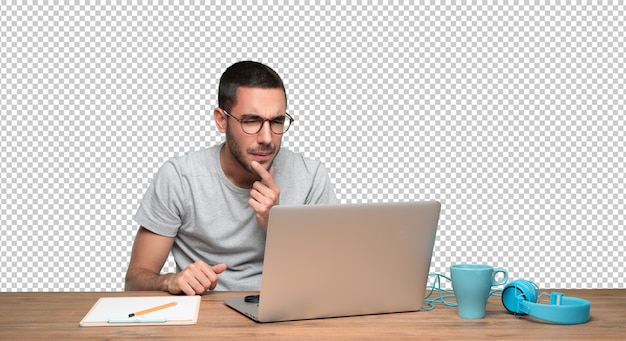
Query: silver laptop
{"points": [[344, 260]]}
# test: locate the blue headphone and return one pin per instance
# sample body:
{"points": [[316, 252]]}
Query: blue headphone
{"points": [[520, 297]]}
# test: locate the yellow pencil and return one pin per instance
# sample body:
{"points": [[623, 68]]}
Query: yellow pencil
{"points": [[149, 310]]}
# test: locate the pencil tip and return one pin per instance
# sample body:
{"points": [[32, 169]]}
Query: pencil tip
{"points": [[131, 315]]}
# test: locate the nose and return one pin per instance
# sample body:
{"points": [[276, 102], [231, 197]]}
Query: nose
{"points": [[264, 136]]}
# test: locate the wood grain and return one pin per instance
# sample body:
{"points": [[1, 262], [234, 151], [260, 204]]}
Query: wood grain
{"points": [[56, 316]]}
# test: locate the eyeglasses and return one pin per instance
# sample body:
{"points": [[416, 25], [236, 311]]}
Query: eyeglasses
{"points": [[253, 124]]}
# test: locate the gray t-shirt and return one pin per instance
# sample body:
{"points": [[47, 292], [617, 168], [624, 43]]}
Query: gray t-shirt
{"points": [[191, 199]]}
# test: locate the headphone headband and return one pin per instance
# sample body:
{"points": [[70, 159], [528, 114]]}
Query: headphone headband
{"points": [[520, 297]]}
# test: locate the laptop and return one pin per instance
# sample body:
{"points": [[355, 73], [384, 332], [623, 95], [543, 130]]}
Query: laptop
{"points": [[343, 260]]}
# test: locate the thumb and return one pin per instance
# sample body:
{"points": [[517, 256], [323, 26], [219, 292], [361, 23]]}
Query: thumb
{"points": [[219, 268]]}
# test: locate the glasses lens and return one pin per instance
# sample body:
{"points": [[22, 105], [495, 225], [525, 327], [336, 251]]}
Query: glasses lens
{"points": [[251, 125], [279, 125]]}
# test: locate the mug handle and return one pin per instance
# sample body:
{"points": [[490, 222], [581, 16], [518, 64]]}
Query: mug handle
{"points": [[503, 280]]}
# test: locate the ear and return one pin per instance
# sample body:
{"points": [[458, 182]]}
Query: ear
{"points": [[220, 120]]}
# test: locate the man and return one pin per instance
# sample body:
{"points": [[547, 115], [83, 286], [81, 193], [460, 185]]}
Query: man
{"points": [[210, 207]]}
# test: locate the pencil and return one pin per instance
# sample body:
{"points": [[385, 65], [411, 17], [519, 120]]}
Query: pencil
{"points": [[149, 310]]}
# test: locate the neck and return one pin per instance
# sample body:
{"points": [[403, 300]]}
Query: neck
{"points": [[235, 172]]}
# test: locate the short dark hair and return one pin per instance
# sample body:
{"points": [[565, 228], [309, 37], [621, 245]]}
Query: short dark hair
{"points": [[247, 74]]}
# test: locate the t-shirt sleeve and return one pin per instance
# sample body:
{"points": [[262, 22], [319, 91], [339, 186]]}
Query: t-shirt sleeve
{"points": [[162, 206], [323, 191]]}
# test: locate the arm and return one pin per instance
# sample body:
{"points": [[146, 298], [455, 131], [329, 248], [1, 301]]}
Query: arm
{"points": [[150, 251]]}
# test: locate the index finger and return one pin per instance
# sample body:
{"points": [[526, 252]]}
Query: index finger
{"points": [[267, 176]]}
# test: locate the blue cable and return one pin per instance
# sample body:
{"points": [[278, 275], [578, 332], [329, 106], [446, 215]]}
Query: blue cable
{"points": [[443, 294]]}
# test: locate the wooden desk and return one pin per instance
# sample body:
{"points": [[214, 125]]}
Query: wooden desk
{"points": [[56, 316]]}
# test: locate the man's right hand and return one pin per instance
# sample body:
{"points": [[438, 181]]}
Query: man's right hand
{"points": [[150, 251], [195, 279]]}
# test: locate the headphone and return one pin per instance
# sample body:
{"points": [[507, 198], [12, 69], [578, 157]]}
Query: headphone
{"points": [[520, 297]]}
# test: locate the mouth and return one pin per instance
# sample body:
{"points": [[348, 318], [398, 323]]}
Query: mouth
{"points": [[262, 156]]}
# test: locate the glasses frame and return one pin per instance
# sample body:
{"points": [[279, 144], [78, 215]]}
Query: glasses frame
{"points": [[287, 116]]}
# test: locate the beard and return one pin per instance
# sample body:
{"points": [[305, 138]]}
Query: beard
{"points": [[238, 153]]}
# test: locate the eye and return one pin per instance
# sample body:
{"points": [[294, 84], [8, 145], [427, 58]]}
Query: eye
{"points": [[279, 120], [251, 120]]}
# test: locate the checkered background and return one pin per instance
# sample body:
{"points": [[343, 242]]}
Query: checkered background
{"points": [[511, 115]]}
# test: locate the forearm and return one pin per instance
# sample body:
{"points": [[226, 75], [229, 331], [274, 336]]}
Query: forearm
{"points": [[146, 280]]}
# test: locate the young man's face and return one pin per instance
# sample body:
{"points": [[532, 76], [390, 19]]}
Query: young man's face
{"points": [[264, 145]]}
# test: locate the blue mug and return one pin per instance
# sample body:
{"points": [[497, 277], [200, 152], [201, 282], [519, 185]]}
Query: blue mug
{"points": [[471, 284]]}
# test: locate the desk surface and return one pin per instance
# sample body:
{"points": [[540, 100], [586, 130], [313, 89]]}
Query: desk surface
{"points": [[56, 316]]}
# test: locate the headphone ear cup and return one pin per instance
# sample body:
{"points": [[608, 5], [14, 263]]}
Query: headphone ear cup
{"points": [[517, 292]]}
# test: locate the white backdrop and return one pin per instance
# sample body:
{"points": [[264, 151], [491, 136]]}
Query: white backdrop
{"points": [[511, 115]]}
